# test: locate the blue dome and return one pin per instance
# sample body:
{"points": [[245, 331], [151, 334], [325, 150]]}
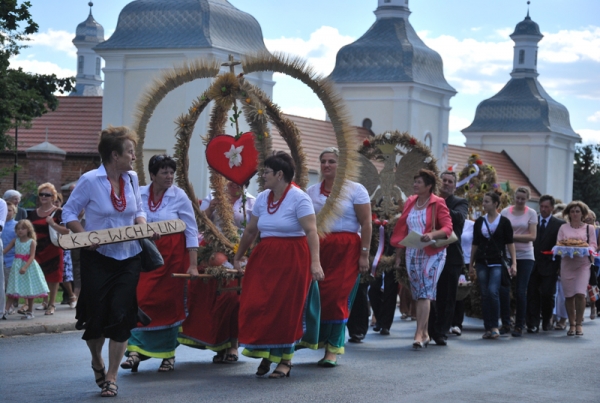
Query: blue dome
{"points": [[527, 27], [390, 51], [89, 31], [521, 106], [158, 24]]}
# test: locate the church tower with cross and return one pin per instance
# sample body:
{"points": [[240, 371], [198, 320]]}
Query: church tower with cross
{"points": [[391, 80], [154, 35], [525, 122], [87, 35]]}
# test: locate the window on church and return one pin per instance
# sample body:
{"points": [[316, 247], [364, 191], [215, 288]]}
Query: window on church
{"points": [[80, 65], [428, 140], [536, 58], [521, 56], [97, 66]]}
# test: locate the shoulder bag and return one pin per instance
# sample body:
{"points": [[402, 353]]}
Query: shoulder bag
{"points": [[439, 243], [504, 262], [150, 255]]}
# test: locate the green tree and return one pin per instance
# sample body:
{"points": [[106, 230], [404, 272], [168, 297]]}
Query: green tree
{"points": [[23, 96], [586, 176]]}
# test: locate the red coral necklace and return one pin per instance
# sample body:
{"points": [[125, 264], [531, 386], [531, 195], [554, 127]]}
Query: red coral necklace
{"points": [[152, 205], [119, 203], [272, 206], [324, 192]]}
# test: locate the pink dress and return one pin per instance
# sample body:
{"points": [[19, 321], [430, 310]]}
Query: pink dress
{"points": [[575, 272]]}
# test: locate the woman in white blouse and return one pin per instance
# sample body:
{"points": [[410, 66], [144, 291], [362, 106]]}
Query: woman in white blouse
{"points": [[280, 268], [343, 253], [107, 306], [160, 295]]}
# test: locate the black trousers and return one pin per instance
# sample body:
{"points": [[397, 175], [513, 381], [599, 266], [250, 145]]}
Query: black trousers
{"points": [[540, 298], [442, 309], [384, 302], [358, 321], [459, 314]]}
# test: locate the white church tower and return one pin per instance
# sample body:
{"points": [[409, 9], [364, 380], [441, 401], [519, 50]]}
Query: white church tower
{"points": [[155, 35], [523, 120], [87, 35], [391, 80]]}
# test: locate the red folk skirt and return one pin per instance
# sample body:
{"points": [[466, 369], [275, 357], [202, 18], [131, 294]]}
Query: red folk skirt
{"points": [[339, 254], [212, 320], [159, 295], [275, 286]]}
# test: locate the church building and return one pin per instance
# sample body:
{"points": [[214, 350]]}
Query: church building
{"points": [[526, 123], [389, 79]]}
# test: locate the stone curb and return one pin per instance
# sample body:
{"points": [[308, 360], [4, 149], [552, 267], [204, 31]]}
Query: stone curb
{"points": [[36, 329]]}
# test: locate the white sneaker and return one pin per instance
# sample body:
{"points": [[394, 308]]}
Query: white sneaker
{"points": [[455, 330]]}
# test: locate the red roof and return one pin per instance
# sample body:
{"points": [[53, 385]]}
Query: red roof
{"points": [[316, 136], [74, 126], [506, 169]]}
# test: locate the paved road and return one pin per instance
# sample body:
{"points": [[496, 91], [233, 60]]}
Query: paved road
{"points": [[547, 367]]}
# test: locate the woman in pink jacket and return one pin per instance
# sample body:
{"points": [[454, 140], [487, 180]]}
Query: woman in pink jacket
{"points": [[426, 214]]}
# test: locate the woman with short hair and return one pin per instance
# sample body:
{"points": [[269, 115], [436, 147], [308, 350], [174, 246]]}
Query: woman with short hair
{"points": [[280, 268], [49, 257], [426, 214], [107, 306], [159, 295]]}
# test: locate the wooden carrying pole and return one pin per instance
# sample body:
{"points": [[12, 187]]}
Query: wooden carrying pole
{"points": [[185, 275], [120, 234]]}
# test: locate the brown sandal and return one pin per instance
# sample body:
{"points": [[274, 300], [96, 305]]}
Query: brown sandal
{"points": [[102, 376], [50, 310], [167, 364], [109, 389], [264, 367], [279, 374]]}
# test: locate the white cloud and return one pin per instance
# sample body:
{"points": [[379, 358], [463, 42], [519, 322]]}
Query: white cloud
{"points": [[486, 58], [319, 50], [594, 118], [589, 136], [36, 66], [568, 46], [58, 40], [457, 123]]}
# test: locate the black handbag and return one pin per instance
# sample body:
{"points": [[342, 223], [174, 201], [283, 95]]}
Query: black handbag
{"points": [[151, 257], [504, 261]]}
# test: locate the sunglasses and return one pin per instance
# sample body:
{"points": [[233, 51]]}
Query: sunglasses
{"points": [[45, 194]]}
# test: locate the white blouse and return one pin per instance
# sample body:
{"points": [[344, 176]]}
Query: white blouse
{"points": [[92, 193], [284, 222], [175, 204], [352, 193]]}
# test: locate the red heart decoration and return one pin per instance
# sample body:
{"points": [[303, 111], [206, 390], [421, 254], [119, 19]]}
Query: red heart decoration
{"points": [[238, 173]]}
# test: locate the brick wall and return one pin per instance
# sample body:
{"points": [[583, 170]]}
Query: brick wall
{"points": [[73, 166]]}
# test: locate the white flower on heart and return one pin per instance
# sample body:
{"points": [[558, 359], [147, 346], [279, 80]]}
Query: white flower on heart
{"points": [[235, 156]]}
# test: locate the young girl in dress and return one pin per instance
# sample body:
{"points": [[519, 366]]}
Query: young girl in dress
{"points": [[26, 279]]}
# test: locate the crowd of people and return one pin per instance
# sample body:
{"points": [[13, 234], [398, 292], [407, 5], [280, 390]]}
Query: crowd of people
{"points": [[299, 290]]}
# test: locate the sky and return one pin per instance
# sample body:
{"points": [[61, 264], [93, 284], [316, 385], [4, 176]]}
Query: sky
{"points": [[471, 36]]}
